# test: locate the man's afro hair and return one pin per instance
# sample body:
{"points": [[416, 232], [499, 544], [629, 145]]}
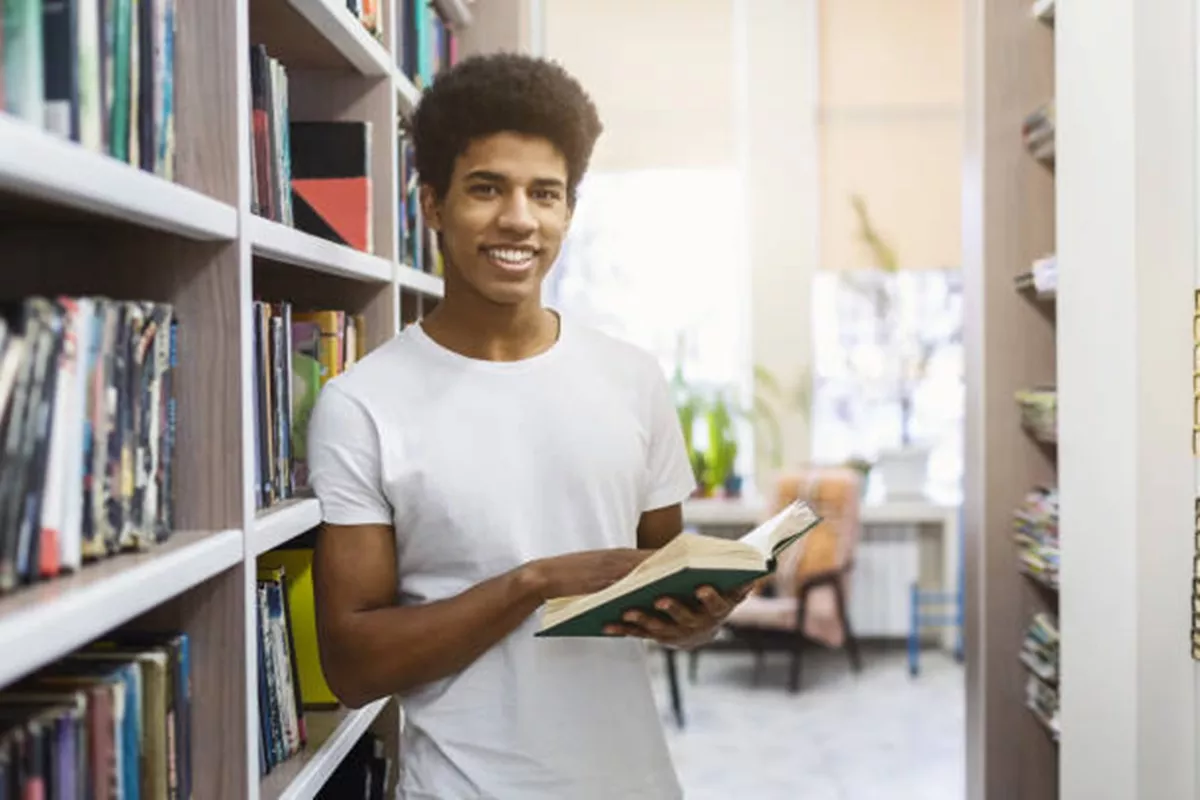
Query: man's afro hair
{"points": [[496, 93]]}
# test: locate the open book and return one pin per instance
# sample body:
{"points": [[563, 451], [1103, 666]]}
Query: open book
{"points": [[677, 570]]}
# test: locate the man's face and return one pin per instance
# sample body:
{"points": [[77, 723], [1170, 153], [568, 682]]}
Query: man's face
{"points": [[504, 216]]}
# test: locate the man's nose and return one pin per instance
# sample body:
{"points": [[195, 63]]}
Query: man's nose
{"points": [[516, 215]]}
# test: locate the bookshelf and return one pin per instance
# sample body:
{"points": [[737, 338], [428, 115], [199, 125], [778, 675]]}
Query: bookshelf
{"points": [[1011, 424], [331, 733], [77, 221], [1116, 205]]}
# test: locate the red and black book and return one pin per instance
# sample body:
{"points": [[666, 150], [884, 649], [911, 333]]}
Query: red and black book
{"points": [[331, 184]]}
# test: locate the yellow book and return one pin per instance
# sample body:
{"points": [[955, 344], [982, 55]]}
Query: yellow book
{"points": [[329, 349], [297, 567]]}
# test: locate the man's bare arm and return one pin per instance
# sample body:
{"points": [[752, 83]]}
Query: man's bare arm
{"points": [[659, 526], [372, 647]]}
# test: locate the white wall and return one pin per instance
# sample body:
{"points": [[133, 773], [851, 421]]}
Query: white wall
{"points": [[891, 128], [660, 72], [1126, 85], [781, 49]]}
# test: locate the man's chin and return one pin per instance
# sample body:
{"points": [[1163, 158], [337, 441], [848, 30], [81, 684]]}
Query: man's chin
{"points": [[510, 290], [512, 294]]}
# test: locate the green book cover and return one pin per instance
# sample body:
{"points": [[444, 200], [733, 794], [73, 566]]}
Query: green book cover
{"points": [[678, 570], [681, 585]]}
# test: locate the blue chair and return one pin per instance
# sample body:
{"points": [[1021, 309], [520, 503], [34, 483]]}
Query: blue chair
{"points": [[937, 609]]}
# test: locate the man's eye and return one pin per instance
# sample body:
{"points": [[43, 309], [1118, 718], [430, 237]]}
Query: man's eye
{"points": [[484, 190], [549, 195]]}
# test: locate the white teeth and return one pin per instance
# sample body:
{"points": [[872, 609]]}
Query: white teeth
{"points": [[510, 256]]}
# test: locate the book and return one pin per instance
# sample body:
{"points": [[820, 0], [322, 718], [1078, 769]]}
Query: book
{"points": [[678, 569], [330, 181]]}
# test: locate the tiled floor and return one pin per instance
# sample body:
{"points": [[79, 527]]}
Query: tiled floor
{"points": [[878, 735]]}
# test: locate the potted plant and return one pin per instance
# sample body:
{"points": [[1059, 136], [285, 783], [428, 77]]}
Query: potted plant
{"points": [[722, 447]]}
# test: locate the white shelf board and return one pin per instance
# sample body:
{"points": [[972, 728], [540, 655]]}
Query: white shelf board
{"points": [[347, 35], [45, 621], [455, 13], [280, 242], [407, 95], [282, 523], [417, 281], [43, 166], [331, 734]]}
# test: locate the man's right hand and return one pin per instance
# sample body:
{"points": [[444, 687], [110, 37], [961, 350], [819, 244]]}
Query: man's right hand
{"points": [[583, 573]]}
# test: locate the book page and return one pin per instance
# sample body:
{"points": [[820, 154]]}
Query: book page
{"points": [[782, 529]]}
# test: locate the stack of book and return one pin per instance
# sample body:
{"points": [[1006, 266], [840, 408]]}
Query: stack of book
{"points": [[368, 14], [270, 164], [418, 244], [427, 46], [97, 72], [1037, 131], [1039, 653], [290, 679], [1035, 526], [311, 175], [1041, 280], [282, 729], [87, 424], [1039, 413], [110, 720], [295, 354]]}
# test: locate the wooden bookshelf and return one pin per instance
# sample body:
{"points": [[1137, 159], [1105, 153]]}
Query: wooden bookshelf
{"points": [[1011, 347], [34, 165], [283, 522], [81, 223], [279, 242], [331, 734], [52, 618]]}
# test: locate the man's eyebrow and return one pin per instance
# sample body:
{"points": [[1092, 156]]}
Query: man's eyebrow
{"points": [[497, 177], [486, 175]]}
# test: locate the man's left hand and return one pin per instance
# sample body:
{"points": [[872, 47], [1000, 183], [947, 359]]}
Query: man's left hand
{"points": [[683, 627]]}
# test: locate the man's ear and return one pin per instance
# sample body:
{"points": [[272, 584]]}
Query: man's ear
{"points": [[430, 208]]}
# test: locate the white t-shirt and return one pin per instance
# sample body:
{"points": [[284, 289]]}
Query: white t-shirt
{"points": [[481, 466]]}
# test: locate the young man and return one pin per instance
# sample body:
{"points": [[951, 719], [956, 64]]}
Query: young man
{"points": [[491, 457]]}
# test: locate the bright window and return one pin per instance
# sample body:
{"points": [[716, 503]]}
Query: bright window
{"points": [[659, 257], [889, 368]]}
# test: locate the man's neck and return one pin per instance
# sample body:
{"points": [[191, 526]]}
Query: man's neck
{"points": [[479, 329]]}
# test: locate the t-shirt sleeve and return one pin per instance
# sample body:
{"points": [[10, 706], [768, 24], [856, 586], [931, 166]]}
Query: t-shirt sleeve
{"points": [[344, 461], [670, 478]]}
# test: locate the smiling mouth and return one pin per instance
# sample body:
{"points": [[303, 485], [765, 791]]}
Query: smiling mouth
{"points": [[511, 259]]}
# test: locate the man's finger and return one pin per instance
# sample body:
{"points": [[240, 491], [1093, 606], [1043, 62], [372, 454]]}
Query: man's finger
{"points": [[680, 614], [714, 603], [650, 626]]}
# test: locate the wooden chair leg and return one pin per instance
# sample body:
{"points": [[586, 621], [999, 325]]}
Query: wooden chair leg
{"points": [[851, 644], [794, 673], [760, 662], [798, 642], [673, 684]]}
